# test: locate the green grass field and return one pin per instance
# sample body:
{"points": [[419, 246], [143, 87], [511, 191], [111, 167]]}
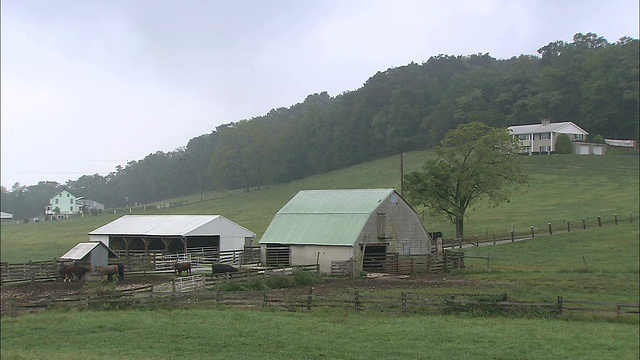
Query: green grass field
{"points": [[255, 334], [596, 264], [561, 188]]}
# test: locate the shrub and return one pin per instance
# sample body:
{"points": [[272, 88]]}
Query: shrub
{"points": [[598, 139], [563, 144]]}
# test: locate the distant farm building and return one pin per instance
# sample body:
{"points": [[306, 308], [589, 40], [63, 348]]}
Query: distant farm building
{"points": [[89, 206], [4, 216], [324, 226], [172, 234], [89, 255]]}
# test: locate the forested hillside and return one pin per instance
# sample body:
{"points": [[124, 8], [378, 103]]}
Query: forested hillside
{"points": [[589, 81]]}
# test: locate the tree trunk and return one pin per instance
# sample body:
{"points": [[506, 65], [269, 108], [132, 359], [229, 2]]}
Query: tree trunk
{"points": [[459, 227]]}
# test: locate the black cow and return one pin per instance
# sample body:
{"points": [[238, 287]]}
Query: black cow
{"points": [[223, 268]]}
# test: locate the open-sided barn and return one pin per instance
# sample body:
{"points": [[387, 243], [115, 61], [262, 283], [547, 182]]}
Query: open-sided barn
{"points": [[173, 233], [322, 226]]}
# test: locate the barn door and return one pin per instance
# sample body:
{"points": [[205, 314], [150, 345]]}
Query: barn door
{"points": [[278, 255], [374, 258]]}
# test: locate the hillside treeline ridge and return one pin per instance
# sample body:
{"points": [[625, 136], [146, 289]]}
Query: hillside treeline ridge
{"points": [[589, 81]]}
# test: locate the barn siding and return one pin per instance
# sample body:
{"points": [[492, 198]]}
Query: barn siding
{"points": [[402, 227], [308, 254]]}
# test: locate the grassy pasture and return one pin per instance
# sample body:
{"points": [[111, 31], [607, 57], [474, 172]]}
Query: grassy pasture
{"points": [[561, 188], [598, 264], [249, 334]]}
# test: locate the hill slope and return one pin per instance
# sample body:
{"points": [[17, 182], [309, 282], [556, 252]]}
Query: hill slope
{"points": [[562, 188]]}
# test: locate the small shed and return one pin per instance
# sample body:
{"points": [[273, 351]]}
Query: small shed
{"points": [[173, 234], [323, 226], [89, 255]]}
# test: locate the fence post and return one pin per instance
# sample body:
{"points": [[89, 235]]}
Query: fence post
{"points": [[512, 236], [599, 221], [477, 243], [357, 300], [494, 238], [568, 226], [404, 302], [615, 219], [550, 231], [173, 285], [559, 304], [533, 235], [309, 299], [264, 299], [584, 223]]}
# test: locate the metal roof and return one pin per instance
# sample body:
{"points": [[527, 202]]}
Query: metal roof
{"points": [[163, 225], [83, 249], [324, 217], [561, 127]]}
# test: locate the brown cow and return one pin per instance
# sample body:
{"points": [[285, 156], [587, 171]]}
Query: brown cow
{"points": [[182, 266]]}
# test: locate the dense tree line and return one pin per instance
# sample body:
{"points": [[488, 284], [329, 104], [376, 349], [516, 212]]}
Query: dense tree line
{"points": [[589, 81]]}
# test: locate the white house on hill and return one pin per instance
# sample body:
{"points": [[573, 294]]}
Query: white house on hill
{"points": [[65, 203], [541, 138]]}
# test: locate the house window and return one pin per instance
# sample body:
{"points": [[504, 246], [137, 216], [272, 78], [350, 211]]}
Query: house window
{"points": [[545, 136], [71, 201], [56, 201], [71, 209], [526, 149], [545, 148], [578, 137], [524, 137], [67, 195], [60, 195]]}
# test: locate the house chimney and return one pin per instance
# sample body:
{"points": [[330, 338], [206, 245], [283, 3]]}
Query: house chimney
{"points": [[546, 122]]}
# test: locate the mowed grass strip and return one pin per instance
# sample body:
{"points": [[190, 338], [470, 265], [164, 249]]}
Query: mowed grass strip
{"points": [[255, 334]]}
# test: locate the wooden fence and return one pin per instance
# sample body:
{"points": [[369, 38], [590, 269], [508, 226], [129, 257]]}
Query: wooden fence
{"points": [[134, 264], [553, 226], [407, 302], [399, 264]]}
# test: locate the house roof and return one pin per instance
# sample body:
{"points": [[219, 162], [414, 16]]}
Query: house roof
{"points": [[566, 127], [83, 249], [324, 217], [61, 190], [172, 225]]}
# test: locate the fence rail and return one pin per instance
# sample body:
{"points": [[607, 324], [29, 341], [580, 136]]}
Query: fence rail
{"points": [[408, 302]]}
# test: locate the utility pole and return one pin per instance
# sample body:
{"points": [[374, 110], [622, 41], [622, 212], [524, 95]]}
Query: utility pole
{"points": [[402, 172]]}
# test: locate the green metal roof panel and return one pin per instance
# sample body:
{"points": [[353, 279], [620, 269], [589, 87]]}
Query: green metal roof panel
{"points": [[315, 229], [346, 201], [324, 217]]}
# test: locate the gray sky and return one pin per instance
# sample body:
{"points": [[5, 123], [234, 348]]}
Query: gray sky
{"points": [[88, 85]]}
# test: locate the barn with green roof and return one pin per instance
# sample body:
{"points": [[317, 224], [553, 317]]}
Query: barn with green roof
{"points": [[325, 226]]}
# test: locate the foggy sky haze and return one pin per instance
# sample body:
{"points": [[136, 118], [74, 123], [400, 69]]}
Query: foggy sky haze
{"points": [[89, 85]]}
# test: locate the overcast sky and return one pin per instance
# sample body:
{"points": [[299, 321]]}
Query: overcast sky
{"points": [[89, 85]]}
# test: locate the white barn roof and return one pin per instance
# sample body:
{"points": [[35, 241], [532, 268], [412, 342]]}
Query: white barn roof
{"points": [[172, 225], [83, 249], [5, 215]]}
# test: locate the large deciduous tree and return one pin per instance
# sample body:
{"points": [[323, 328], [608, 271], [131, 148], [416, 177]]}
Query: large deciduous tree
{"points": [[473, 161]]}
